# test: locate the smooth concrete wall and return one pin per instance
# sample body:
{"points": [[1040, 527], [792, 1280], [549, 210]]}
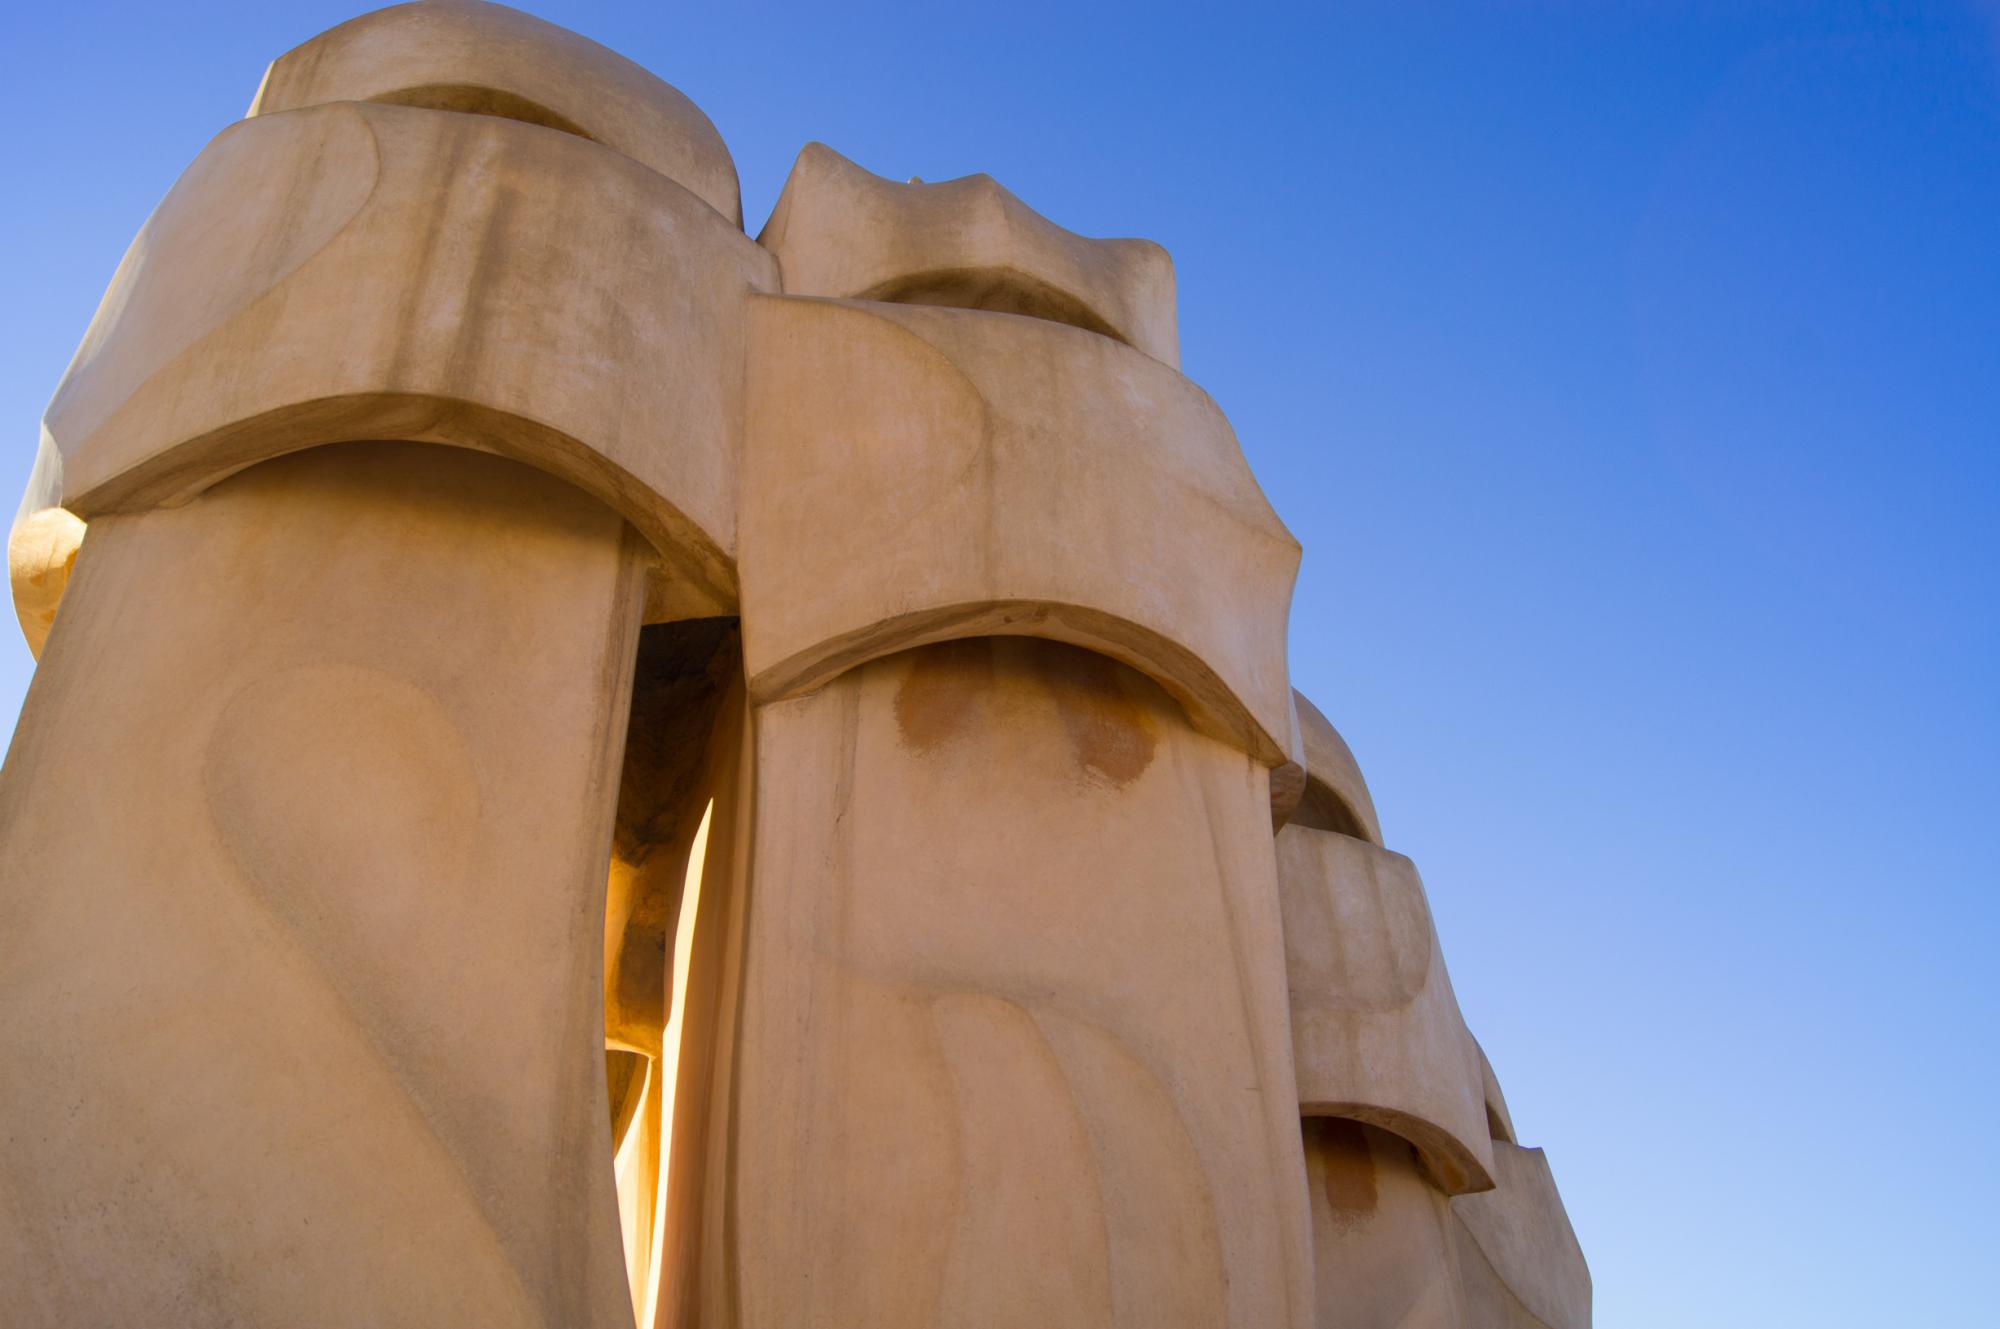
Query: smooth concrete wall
{"points": [[323, 887], [356, 271], [1376, 1029], [1382, 1232], [916, 474], [1012, 1048], [1523, 1268], [486, 59], [969, 243], [303, 842]]}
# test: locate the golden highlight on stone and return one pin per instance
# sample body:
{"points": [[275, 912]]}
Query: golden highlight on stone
{"points": [[597, 773]]}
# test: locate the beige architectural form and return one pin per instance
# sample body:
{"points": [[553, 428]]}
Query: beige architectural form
{"points": [[587, 770], [843, 232], [1425, 1210], [936, 1047]]}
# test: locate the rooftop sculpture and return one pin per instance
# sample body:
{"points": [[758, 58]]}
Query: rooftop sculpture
{"points": [[585, 767]]}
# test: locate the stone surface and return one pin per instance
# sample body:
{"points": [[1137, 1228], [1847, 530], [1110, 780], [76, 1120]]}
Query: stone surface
{"points": [[299, 992], [363, 271], [1335, 797], [916, 474], [1520, 1261], [1376, 1029], [592, 772], [41, 551], [841, 231], [695, 1284], [1012, 1043], [483, 59], [1499, 1121], [1383, 1234], [684, 674]]}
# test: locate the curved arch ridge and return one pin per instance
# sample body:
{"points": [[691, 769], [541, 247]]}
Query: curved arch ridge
{"points": [[486, 59], [842, 231], [937, 1067], [1288, 778], [1335, 796], [1382, 1232], [1376, 1030], [332, 843], [914, 474], [1499, 1121], [361, 271]]}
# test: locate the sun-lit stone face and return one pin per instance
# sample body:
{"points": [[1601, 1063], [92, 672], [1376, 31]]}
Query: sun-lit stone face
{"points": [[1376, 1029], [912, 474], [968, 244], [304, 857], [366, 271], [595, 772], [486, 59], [1382, 1231], [1018, 1016], [1517, 1255]]}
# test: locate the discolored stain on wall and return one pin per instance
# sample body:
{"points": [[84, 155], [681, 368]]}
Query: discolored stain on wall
{"points": [[1349, 1165], [1110, 712], [1111, 726], [937, 696]]}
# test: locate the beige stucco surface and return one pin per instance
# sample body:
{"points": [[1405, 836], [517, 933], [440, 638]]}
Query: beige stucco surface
{"points": [[41, 552], [915, 474], [1499, 1121], [1012, 1018], [697, 1281], [358, 271], [462, 55], [1336, 797], [891, 931], [1519, 1257], [1376, 1029], [1382, 1232], [299, 996], [842, 231]]}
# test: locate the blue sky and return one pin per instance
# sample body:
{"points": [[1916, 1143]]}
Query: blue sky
{"points": [[1631, 375]]}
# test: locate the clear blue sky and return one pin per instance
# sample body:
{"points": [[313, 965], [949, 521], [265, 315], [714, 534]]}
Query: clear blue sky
{"points": [[1631, 375]]}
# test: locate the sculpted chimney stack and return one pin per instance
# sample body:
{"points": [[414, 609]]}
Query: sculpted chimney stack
{"points": [[586, 769]]}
